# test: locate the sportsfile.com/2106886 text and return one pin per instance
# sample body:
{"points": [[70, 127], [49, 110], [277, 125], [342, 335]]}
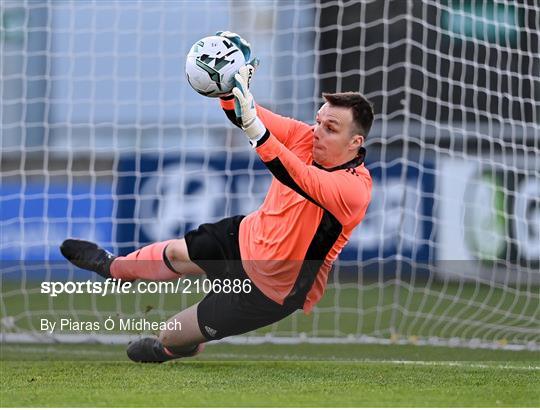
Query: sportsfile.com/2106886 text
{"points": [[116, 286]]}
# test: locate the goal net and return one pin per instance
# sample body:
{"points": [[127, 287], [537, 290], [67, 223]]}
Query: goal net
{"points": [[103, 139]]}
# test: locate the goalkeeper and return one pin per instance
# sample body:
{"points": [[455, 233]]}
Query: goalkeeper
{"points": [[319, 193]]}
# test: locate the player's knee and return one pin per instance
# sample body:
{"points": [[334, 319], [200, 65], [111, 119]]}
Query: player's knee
{"points": [[174, 334], [177, 251], [176, 344], [168, 338]]}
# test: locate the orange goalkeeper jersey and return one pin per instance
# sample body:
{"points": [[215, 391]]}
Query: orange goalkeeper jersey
{"points": [[288, 245]]}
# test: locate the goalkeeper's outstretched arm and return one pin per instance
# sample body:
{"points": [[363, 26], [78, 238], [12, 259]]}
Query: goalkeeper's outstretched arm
{"points": [[345, 194], [283, 128]]}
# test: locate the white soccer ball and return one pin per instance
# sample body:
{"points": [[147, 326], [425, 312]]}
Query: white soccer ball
{"points": [[211, 65]]}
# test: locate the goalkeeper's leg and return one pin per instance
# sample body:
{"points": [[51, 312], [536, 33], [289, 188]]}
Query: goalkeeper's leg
{"points": [[183, 339], [217, 316], [159, 261]]}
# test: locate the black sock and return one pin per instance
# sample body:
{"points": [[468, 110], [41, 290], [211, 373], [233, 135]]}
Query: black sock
{"points": [[180, 351]]}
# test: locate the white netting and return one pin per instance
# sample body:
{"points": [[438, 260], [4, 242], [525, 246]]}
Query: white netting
{"points": [[103, 139]]}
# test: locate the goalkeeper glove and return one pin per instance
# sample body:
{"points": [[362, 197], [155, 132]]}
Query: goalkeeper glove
{"points": [[245, 48], [246, 72], [245, 107]]}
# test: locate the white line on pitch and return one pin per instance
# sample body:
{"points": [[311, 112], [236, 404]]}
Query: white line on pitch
{"points": [[90, 352]]}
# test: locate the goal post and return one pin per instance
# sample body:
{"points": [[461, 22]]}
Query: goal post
{"points": [[103, 139]]}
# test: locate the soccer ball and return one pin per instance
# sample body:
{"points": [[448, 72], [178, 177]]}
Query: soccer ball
{"points": [[211, 65]]}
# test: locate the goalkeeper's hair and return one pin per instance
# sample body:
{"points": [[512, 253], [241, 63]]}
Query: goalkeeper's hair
{"points": [[362, 109]]}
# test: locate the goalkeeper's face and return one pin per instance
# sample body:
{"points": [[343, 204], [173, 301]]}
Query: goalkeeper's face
{"points": [[335, 140]]}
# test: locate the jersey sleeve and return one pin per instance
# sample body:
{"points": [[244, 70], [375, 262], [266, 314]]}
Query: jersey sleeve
{"points": [[345, 194], [227, 104], [283, 128]]}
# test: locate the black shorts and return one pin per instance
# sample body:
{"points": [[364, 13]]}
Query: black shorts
{"points": [[215, 248]]}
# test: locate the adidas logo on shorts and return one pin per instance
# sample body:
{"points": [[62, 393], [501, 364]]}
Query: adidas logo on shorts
{"points": [[210, 331]]}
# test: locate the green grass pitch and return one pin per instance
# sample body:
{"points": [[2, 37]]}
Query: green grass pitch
{"points": [[304, 375], [270, 375]]}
